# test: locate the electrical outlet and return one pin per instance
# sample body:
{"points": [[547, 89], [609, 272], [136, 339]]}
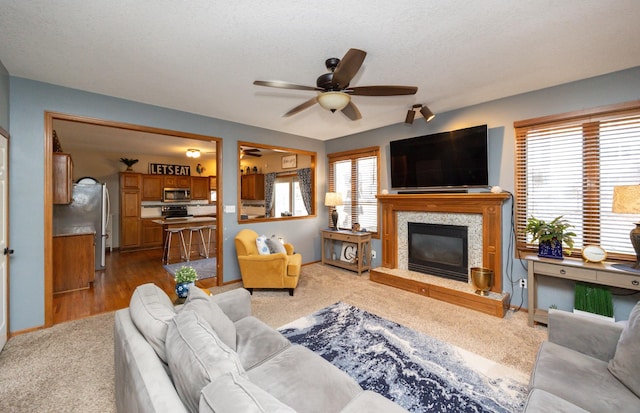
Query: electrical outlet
{"points": [[523, 283], [373, 254]]}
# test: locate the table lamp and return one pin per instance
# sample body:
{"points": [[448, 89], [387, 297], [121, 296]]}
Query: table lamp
{"points": [[333, 199], [626, 200]]}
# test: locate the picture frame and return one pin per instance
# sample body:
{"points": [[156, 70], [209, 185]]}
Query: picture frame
{"points": [[289, 161]]}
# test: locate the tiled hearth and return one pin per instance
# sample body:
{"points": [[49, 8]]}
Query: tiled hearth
{"points": [[481, 213]]}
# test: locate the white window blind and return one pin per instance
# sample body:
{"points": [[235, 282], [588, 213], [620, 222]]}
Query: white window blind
{"points": [[354, 174], [568, 165]]}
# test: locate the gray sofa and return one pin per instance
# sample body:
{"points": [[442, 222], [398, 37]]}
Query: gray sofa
{"points": [[211, 355], [587, 365]]}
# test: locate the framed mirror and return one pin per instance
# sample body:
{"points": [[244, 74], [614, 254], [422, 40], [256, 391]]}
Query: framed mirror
{"points": [[275, 183]]}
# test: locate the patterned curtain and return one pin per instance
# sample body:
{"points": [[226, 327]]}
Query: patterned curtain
{"points": [[269, 180], [304, 178]]}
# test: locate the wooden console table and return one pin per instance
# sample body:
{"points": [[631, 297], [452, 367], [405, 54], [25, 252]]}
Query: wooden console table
{"points": [[572, 269], [362, 240]]}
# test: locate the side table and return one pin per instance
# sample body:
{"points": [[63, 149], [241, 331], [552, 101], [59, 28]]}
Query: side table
{"points": [[356, 259]]}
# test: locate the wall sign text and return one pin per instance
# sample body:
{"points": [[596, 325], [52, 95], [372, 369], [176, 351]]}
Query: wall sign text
{"points": [[166, 169]]}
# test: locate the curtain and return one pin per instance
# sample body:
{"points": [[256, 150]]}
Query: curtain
{"points": [[304, 179], [269, 181]]}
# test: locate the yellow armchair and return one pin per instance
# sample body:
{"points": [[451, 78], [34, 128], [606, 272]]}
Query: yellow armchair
{"points": [[277, 270]]}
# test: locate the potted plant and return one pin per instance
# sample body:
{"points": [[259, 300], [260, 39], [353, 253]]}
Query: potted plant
{"points": [[551, 236], [129, 163], [185, 277]]}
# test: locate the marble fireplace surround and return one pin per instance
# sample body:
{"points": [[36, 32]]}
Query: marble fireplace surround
{"points": [[480, 212]]}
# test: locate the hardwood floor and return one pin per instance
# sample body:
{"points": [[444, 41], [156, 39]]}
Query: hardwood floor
{"points": [[113, 287]]}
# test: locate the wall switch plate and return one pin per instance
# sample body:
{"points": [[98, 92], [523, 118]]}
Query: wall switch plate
{"points": [[523, 283], [229, 209]]}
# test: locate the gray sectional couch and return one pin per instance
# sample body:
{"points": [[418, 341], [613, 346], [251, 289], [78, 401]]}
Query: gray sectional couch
{"points": [[587, 365], [211, 355]]}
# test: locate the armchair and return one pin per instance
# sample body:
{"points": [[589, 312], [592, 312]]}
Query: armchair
{"points": [[277, 270]]}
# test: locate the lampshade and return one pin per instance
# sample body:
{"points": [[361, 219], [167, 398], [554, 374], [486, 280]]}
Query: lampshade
{"points": [[333, 100], [626, 199], [332, 199], [193, 153], [426, 112]]}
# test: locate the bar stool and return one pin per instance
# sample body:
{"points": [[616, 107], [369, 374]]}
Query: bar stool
{"points": [[167, 244], [210, 228], [203, 246]]}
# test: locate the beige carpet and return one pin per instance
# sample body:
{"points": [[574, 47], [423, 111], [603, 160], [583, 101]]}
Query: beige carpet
{"points": [[69, 367]]}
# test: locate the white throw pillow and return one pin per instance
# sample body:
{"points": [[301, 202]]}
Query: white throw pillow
{"points": [[261, 243], [625, 364]]}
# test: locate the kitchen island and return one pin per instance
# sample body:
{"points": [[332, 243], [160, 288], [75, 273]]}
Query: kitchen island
{"points": [[187, 223]]}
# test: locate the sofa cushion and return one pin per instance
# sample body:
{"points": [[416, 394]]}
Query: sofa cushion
{"points": [[625, 364], [275, 246], [261, 244], [581, 380], [305, 381], [257, 342], [196, 356], [540, 401], [202, 303], [232, 393], [151, 310]]}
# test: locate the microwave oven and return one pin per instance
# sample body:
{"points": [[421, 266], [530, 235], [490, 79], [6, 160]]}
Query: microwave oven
{"points": [[176, 194]]}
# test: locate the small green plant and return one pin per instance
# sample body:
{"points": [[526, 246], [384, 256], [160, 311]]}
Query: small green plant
{"points": [[185, 274], [594, 299], [542, 231]]}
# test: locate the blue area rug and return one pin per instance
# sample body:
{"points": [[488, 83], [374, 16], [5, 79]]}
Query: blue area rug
{"points": [[418, 372], [205, 268]]}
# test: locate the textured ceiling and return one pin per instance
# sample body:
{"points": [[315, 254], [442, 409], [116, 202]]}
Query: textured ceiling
{"points": [[201, 56]]}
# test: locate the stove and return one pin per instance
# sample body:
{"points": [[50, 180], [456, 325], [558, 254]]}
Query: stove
{"points": [[174, 211]]}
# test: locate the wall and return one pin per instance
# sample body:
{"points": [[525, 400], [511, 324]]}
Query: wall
{"points": [[4, 98], [499, 115], [29, 100]]}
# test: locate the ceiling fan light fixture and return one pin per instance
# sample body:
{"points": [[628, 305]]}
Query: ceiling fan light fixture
{"points": [[333, 100], [428, 115], [193, 153]]}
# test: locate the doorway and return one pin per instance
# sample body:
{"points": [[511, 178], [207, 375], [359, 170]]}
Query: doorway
{"points": [[131, 141]]}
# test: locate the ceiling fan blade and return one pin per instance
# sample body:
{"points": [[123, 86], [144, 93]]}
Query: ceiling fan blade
{"points": [[301, 107], [382, 90], [257, 154], [352, 112], [285, 85], [348, 67]]}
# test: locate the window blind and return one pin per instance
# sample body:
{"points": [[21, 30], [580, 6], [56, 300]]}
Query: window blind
{"points": [[354, 174], [568, 165]]}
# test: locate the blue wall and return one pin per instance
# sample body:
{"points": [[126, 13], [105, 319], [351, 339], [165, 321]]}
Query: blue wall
{"points": [[29, 100], [499, 115]]}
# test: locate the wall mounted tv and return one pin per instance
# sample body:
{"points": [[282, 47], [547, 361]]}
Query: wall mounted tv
{"points": [[442, 161]]}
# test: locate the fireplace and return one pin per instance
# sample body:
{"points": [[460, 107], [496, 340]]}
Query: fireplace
{"points": [[437, 249]]}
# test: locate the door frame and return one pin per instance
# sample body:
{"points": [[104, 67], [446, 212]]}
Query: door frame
{"points": [[5, 135], [48, 192]]}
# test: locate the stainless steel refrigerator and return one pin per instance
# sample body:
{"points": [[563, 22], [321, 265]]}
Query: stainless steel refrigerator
{"points": [[89, 206]]}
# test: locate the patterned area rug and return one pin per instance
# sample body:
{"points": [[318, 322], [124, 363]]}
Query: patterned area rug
{"points": [[205, 268], [418, 372]]}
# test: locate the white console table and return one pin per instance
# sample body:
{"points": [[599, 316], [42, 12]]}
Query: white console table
{"points": [[573, 269]]}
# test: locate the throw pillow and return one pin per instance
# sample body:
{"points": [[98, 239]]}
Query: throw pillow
{"points": [[261, 243], [275, 246], [151, 311], [196, 356], [625, 364], [233, 393], [209, 311]]}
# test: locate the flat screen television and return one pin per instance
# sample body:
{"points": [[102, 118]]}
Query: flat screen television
{"points": [[441, 161]]}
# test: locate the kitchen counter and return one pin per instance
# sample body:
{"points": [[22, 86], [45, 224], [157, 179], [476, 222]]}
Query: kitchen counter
{"points": [[70, 230], [190, 221]]}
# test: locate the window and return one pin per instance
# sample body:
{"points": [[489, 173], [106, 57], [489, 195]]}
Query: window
{"points": [[355, 175], [288, 198], [568, 165]]}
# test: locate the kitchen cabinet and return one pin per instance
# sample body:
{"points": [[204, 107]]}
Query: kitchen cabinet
{"points": [[199, 187], [177, 181], [213, 183], [130, 224], [62, 178], [252, 186], [73, 262], [130, 180], [152, 187], [152, 234]]}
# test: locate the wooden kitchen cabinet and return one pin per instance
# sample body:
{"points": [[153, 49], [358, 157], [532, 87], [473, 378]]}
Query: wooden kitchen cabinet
{"points": [[213, 183], [130, 223], [177, 181], [252, 186], [199, 187], [152, 235], [62, 178], [152, 187], [73, 262], [130, 180]]}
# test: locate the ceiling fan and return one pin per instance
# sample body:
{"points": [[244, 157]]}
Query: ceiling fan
{"points": [[250, 152], [335, 93]]}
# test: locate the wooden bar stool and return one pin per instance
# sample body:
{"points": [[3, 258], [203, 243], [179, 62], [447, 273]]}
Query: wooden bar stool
{"points": [[210, 228], [167, 244], [203, 247]]}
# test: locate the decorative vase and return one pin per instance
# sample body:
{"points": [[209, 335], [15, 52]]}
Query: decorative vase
{"points": [[182, 289], [550, 249], [482, 280]]}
